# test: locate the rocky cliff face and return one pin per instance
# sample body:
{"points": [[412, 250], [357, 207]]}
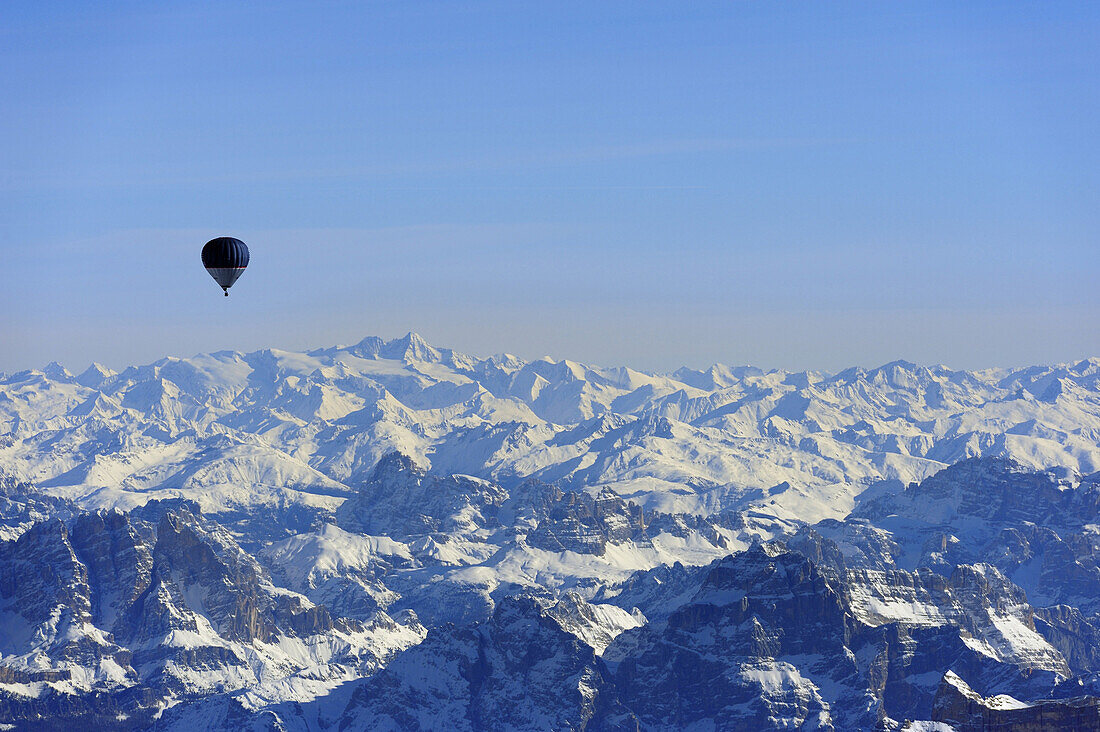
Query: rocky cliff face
{"points": [[124, 613], [595, 624], [963, 709], [22, 505], [846, 650], [402, 499], [1038, 528], [581, 523], [518, 670], [113, 614], [719, 659]]}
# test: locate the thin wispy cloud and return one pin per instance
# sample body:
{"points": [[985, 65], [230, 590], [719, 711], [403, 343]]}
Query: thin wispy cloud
{"points": [[518, 160]]}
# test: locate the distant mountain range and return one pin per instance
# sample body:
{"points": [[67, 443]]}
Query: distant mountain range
{"points": [[392, 535]]}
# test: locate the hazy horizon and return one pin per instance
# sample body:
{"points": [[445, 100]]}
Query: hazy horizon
{"points": [[76, 369]]}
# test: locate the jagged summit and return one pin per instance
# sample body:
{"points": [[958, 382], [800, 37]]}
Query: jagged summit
{"points": [[414, 347], [94, 376]]}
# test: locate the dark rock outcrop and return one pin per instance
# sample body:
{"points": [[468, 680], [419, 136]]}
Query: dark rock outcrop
{"points": [[967, 711], [516, 671], [402, 499]]}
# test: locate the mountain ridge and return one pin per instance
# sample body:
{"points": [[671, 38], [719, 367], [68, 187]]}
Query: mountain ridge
{"points": [[280, 540], [316, 423]]}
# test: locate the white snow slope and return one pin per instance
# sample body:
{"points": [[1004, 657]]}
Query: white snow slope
{"points": [[236, 431]]}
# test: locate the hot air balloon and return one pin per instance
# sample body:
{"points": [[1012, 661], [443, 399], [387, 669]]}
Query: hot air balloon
{"points": [[225, 259]]}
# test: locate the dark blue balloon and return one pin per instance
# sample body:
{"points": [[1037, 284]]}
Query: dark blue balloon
{"points": [[225, 259]]}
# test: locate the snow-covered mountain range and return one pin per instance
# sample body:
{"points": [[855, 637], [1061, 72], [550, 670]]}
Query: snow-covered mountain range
{"points": [[392, 535]]}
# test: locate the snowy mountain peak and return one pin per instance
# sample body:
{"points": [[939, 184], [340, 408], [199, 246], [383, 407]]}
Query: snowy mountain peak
{"points": [[94, 376], [395, 535], [57, 372], [412, 347], [320, 421]]}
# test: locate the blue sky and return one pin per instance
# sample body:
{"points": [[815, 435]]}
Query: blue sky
{"points": [[799, 185]]}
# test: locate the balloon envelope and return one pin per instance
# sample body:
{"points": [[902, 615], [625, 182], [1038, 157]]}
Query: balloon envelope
{"points": [[225, 259]]}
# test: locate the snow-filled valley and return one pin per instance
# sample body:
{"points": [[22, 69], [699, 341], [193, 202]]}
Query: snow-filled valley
{"points": [[392, 535]]}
